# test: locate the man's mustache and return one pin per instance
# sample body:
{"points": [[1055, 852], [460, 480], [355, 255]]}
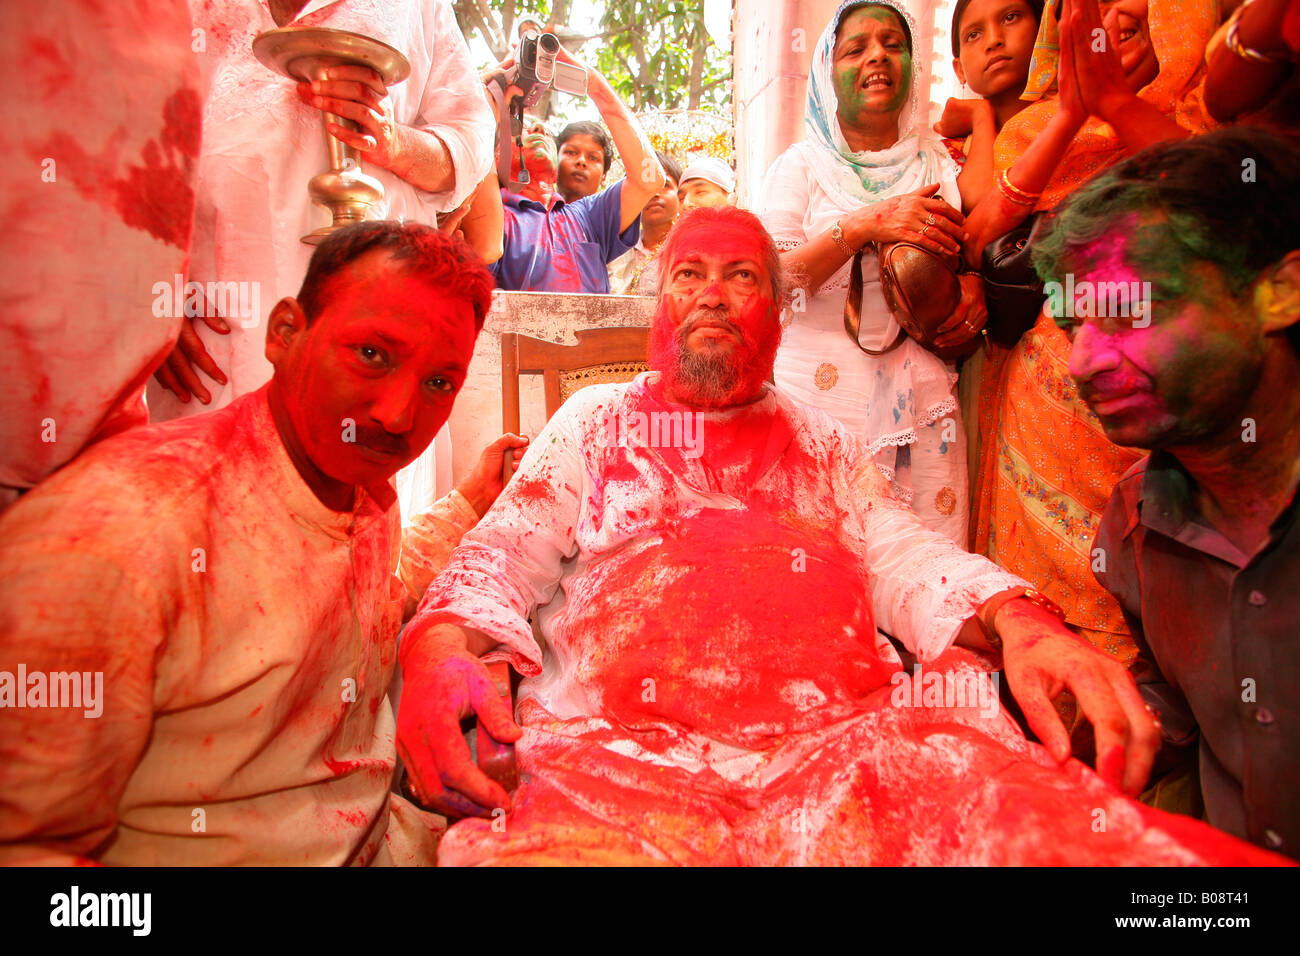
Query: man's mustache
{"points": [[382, 441], [703, 317]]}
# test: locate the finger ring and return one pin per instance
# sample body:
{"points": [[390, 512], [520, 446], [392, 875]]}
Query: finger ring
{"points": [[969, 326], [984, 332], [930, 221], [925, 230]]}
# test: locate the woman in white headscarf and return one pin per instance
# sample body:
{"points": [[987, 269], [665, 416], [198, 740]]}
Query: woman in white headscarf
{"points": [[869, 172]]}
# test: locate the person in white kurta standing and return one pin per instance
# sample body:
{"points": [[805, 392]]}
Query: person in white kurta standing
{"points": [[868, 172], [429, 143], [101, 109]]}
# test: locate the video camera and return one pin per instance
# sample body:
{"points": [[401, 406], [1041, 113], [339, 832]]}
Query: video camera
{"points": [[535, 71]]}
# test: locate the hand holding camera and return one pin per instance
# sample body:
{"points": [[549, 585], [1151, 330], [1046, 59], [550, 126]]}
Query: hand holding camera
{"points": [[542, 63]]}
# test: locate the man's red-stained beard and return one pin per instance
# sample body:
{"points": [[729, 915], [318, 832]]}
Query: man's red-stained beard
{"points": [[716, 377]]}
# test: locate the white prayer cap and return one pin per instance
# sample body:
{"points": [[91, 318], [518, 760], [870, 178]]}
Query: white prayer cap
{"points": [[712, 169]]}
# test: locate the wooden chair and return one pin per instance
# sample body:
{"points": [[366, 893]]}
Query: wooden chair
{"points": [[601, 356]]}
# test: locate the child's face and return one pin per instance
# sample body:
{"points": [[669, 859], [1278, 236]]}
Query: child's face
{"points": [[996, 39]]}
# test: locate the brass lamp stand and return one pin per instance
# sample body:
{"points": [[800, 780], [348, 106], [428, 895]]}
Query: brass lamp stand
{"points": [[305, 53]]}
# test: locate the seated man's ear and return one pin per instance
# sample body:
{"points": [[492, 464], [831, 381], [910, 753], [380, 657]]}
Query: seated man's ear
{"points": [[1277, 294], [287, 322]]}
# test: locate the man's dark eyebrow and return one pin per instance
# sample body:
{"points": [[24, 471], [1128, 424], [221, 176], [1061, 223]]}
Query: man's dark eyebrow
{"points": [[452, 366], [731, 264], [386, 338]]}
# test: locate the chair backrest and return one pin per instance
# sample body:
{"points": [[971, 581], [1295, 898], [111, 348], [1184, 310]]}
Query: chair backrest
{"points": [[601, 355]]}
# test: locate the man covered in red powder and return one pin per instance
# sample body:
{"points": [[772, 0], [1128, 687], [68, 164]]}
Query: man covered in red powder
{"points": [[198, 620], [708, 563], [553, 245]]}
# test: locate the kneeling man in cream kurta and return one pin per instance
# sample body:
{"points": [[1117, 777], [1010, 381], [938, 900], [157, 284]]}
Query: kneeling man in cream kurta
{"points": [[223, 590]]}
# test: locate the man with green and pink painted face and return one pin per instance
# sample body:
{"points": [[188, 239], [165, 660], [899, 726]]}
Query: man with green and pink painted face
{"points": [[1200, 542]]}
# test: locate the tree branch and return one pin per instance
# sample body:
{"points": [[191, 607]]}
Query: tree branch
{"points": [[482, 19], [697, 68], [508, 21]]}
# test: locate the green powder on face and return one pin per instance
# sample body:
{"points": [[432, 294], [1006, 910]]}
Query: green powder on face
{"points": [[905, 85], [881, 13], [848, 94], [1166, 252], [850, 97]]}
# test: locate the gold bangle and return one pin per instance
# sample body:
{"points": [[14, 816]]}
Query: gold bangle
{"points": [[1015, 194], [1243, 52]]}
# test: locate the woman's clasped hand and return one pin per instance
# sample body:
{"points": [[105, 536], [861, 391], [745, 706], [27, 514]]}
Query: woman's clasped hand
{"points": [[919, 217]]}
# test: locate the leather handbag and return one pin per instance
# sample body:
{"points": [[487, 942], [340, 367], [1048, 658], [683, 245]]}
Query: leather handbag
{"points": [[1012, 290], [922, 291]]}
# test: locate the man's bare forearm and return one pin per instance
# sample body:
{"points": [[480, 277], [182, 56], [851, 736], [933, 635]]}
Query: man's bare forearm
{"points": [[976, 178], [423, 160], [995, 215], [645, 176], [1140, 124]]}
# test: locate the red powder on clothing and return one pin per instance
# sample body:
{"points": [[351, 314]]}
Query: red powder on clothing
{"points": [[154, 195], [532, 492], [46, 65], [183, 122], [341, 767], [737, 640], [354, 817]]}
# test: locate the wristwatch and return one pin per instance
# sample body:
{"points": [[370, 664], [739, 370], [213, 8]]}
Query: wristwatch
{"points": [[837, 233], [989, 610]]}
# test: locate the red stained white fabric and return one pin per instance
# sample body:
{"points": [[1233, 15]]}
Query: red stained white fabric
{"points": [[711, 687], [101, 109]]}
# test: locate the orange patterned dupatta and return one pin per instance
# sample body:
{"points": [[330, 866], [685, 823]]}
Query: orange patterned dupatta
{"points": [[1046, 468]]}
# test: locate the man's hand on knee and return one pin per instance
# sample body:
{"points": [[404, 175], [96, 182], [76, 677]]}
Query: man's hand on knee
{"points": [[1042, 658]]}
